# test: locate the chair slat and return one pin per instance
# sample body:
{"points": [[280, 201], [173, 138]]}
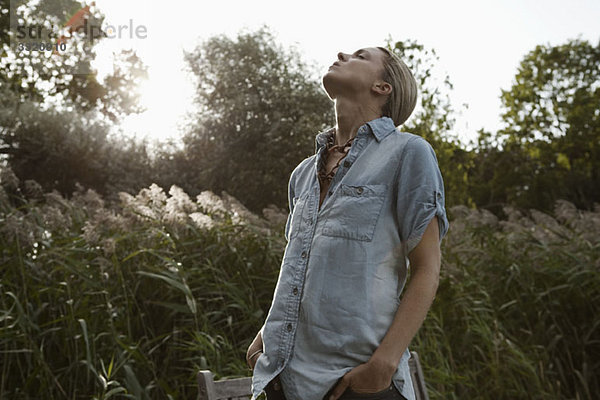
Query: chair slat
{"points": [[233, 387], [206, 386], [416, 374]]}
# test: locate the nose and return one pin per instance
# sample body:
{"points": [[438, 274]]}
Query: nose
{"points": [[341, 56]]}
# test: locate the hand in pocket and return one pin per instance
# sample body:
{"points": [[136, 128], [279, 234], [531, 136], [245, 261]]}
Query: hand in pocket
{"points": [[364, 379]]}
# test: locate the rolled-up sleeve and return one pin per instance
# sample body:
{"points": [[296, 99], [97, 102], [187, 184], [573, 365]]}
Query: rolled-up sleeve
{"points": [[420, 194]]}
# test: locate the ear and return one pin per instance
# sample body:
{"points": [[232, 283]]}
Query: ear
{"points": [[381, 87]]}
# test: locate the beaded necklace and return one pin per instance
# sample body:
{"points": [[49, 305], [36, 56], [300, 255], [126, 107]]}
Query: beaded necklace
{"points": [[325, 177]]}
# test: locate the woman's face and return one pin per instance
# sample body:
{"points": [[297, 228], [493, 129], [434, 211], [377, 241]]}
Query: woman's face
{"points": [[354, 73]]}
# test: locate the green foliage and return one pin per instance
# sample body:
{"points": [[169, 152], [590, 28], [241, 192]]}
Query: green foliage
{"points": [[516, 312], [52, 125], [258, 113], [132, 301], [35, 77], [550, 143], [115, 97], [555, 87], [63, 149], [548, 148]]}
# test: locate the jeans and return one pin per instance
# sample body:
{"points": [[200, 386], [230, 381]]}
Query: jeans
{"points": [[274, 391]]}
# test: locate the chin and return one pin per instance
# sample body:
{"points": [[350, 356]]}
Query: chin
{"points": [[328, 83]]}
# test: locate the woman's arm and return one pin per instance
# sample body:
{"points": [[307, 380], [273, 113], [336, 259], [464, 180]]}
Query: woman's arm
{"points": [[425, 261], [376, 374]]}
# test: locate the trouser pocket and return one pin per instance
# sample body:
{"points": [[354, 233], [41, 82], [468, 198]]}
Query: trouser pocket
{"points": [[390, 393]]}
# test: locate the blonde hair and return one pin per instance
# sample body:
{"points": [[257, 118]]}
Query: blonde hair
{"points": [[401, 102]]}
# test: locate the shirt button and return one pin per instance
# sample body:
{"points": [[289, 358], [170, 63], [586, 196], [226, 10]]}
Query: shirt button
{"points": [[330, 192], [295, 291], [346, 163], [359, 190], [289, 327], [303, 255]]}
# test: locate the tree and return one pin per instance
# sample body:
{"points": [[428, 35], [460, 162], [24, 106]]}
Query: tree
{"points": [[552, 120], [59, 148], [36, 77], [258, 114], [51, 127]]}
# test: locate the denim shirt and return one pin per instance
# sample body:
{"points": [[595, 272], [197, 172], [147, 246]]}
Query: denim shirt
{"points": [[345, 264]]}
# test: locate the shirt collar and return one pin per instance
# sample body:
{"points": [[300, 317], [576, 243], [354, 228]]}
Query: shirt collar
{"points": [[380, 128]]}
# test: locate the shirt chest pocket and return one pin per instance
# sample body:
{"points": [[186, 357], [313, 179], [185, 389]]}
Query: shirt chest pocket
{"points": [[354, 211]]}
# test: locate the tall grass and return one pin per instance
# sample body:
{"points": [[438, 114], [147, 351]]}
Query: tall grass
{"points": [[131, 300], [517, 313]]}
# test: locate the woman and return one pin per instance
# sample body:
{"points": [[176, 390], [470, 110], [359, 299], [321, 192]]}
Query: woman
{"points": [[368, 200]]}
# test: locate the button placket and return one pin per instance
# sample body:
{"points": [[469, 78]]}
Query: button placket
{"points": [[295, 298], [357, 146]]}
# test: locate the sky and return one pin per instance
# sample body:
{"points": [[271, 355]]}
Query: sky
{"points": [[479, 44]]}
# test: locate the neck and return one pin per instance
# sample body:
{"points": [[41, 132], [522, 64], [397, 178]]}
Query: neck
{"points": [[351, 115]]}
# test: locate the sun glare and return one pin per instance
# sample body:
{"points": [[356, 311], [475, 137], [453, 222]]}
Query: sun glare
{"points": [[165, 101]]}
